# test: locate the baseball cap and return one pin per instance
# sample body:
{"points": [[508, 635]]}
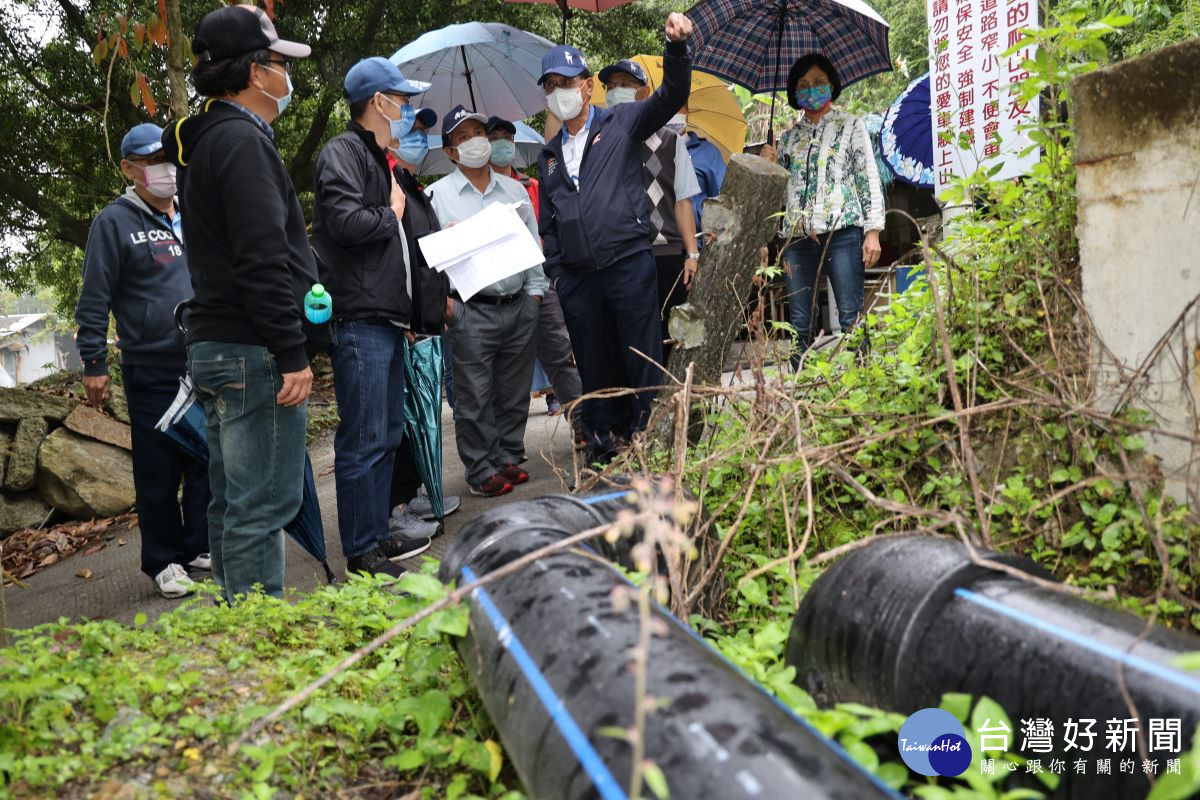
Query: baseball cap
{"points": [[457, 116], [499, 123], [377, 74], [562, 59], [427, 117], [240, 29], [142, 140], [631, 68]]}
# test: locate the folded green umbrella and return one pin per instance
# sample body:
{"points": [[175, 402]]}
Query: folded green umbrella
{"points": [[423, 414]]}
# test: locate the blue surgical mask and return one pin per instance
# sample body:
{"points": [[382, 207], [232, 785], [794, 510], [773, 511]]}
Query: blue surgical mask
{"points": [[281, 102], [503, 152], [400, 127], [814, 98], [414, 145]]}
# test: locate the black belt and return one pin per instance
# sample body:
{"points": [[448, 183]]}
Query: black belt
{"points": [[489, 299]]}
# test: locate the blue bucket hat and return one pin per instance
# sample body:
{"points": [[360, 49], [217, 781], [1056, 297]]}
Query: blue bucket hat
{"points": [[142, 140], [562, 60], [377, 74]]}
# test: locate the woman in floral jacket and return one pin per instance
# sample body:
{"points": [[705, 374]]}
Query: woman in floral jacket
{"points": [[835, 203]]}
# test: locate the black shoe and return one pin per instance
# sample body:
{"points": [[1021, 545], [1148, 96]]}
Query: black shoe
{"points": [[398, 548], [374, 563]]}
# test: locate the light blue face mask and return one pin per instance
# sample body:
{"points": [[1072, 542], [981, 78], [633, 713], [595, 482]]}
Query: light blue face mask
{"points": [[408, 118], [414, 145], [503, 152], [281, 102]]}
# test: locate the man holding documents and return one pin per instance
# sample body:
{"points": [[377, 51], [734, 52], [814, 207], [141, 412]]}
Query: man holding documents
{"points": [[492, 322], [596, 226]]}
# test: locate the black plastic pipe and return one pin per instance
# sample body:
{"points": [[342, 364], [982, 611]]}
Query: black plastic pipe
{"points": [[550, 656], [904, 620]]}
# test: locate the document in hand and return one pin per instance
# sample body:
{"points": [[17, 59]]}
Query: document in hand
{"points": [[482, 249]]}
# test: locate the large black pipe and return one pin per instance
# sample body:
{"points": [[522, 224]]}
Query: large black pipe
{"points": [[904, 620], [550, 656]]}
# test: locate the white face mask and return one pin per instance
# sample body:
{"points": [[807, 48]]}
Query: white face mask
{"points": [[159, 180], [622, 94], [475, 152], [565, 103]]}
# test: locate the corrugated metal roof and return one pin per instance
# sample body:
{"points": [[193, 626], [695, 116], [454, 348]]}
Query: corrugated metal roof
{"points": [[14, 324]]}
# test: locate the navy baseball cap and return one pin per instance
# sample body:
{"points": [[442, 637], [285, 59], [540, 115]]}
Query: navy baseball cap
{"points": [[239, 29], [630, 68], [562, 59], [427, 117], [457, 116], [377, 74], [142, 140], [499, 123]]}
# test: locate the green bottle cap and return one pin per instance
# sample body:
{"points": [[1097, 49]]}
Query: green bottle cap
{"points": [[318, 290]]}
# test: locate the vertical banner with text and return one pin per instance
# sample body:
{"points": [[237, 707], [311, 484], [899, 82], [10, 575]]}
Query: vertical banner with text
{"points": [[975, 108]]}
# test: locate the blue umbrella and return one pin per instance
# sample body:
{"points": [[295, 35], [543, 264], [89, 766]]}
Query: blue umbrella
{"points": [[907, 136], [184, 423], [753, 42], [529, 144], [423, 414], [486, 66]]}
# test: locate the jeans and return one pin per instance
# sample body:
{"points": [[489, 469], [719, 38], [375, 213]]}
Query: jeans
{"points": [[843, 264], [368, 379], [159, 466], [256, 463]]}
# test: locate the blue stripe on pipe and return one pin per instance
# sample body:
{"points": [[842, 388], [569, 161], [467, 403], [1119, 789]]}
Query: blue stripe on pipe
{"points": [[1137, 662], [589, 759], [591, 501]]}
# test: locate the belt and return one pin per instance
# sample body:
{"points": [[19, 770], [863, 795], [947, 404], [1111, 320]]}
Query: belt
{"points": [[489, 299]]}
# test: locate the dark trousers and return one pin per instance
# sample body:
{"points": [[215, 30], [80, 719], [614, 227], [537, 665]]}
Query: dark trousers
{"points": [[610, 313], [170, 535], [406, 481], [670, 293]]}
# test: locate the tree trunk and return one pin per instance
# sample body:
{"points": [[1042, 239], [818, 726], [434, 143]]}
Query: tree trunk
{"points": [[743, 219], [177, 60]]}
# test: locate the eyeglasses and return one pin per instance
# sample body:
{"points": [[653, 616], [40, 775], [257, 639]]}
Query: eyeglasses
{"points": [[398, 100], [154, 159], [552, 83], [279, 63]]}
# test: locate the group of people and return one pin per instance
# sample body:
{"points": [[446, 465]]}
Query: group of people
{"points": [[211, 218]]}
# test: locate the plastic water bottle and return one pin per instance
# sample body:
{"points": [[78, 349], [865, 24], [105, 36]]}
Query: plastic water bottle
{"points": [[318, 305]]}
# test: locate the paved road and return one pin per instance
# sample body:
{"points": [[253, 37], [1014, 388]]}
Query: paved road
{"points": [[118, 590]]}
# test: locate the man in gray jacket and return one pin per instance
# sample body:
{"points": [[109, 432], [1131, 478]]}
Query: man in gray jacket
{"points": [[134, 266]]}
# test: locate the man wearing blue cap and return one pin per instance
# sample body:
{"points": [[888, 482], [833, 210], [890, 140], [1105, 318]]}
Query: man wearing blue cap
{"points": [[134, 266], [596, 229], [368, 267]]}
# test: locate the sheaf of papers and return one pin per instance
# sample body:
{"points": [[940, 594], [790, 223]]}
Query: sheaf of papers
{"points": [[482, 249]]}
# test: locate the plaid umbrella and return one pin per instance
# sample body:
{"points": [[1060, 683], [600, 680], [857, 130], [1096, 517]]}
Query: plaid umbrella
{"points": [[754, 42]]}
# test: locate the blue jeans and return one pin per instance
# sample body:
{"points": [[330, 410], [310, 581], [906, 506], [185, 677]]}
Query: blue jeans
{"points": [[842, 263], [368, 379], [256, 463]]}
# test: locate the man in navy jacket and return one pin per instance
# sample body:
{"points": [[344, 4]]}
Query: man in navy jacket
{"points": [[595, 227]]}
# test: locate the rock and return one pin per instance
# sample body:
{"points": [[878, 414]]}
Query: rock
{"points": [[23, 460], [85, 478], [20, 511], [18, 404], [116, 404], [89, 422], [6, 440]]}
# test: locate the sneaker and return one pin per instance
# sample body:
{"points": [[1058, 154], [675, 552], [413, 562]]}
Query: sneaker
{"points": [[404, 522], [514, 474], [174, 582], [423, 508], [492, 487], [202, 561], [553, 407], [398, 548], [374, 563]]}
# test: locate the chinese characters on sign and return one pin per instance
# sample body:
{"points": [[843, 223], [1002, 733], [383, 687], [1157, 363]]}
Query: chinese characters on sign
{"points": [[1037, 736], [975, 108]]}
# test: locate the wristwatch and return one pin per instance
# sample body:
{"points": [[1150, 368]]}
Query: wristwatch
{"points": [[693, 257]]}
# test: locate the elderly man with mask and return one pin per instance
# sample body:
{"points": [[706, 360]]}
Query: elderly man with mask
{"points": [[596, 226], [492, 334]]}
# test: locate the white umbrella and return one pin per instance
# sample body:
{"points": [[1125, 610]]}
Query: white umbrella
{"points": [[486, 66], [529, 144]]}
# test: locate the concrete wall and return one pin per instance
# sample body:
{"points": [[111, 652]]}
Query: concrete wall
{"points": [[1138, 152], [25, 358]]}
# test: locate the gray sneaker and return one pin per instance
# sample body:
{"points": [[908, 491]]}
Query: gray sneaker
{"points": [[405, 523], [423, 508]]}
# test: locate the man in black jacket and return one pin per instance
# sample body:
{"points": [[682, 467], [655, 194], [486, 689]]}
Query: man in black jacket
{"points": [[251, 265], [134, 266], [365, 263]]}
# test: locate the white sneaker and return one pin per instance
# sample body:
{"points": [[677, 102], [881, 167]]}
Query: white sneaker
{"points": [[202, 561], [174, 582], [407, 524]]}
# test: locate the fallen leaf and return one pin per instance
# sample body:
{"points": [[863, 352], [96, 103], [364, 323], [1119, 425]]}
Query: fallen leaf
{"points": [[120, 542], [84, 573], [91, 551]]}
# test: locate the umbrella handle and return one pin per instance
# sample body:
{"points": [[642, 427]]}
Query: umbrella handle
{"points": [[328, 573]]}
